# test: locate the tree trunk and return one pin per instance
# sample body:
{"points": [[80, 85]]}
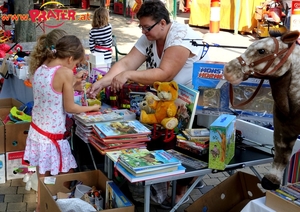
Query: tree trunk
{"points": [[25, 31]]}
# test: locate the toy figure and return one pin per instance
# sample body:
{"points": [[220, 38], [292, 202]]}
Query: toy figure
{"points": [[165, 108], [275, 59]]}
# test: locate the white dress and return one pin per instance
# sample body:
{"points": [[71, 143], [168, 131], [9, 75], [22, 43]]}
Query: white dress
{"points": [[49, 115], [178, 35]]}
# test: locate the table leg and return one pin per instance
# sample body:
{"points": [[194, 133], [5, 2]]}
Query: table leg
{"points": [[106, 159], [255, 172], [109, 169], [147, 198], [92, 157], [174, 184]]}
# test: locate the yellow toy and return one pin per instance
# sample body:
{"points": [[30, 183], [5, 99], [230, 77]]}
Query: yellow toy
{"points": [[147, 102], [165, 108]]}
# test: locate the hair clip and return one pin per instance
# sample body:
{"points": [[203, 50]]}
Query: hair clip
{"points": [[52, 48]]}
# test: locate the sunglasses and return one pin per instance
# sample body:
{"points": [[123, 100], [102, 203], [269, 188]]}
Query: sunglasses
{"points": [[148, 29]]}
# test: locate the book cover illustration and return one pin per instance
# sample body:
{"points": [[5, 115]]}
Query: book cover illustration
{"points": [[122, 128], [129, 139], [114, 197], [148, 170], [192, 147], [114, 155], [93, 117], [135, 99], [186, 107], [187, 160], [133, 179], [141, 160]]}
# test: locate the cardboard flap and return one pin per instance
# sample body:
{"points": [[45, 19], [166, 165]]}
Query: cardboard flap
{"points": [[230, 195], [87, 179]]}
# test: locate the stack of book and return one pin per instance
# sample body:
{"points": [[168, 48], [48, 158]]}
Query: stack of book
{"points": [[139, 165], [116, 135], [85, 121], [194, 140]]}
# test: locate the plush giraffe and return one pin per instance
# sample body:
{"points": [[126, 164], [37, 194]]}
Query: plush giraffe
{"points": [[278, 60]]}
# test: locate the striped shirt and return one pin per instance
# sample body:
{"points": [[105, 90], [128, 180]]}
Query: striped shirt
{"points": [[100, 40]]}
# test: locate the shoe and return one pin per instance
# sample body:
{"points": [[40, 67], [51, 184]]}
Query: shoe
{"points": [[166, 204]]}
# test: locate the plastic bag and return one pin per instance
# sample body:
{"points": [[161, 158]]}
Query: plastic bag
{"points": [[158, 192]]}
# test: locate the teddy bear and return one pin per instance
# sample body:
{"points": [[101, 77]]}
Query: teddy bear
{"points": [[165, 108], [147, 102]]}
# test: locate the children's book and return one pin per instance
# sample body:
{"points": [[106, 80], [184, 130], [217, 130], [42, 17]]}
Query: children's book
{"points": [[90, 118], [135, 99], [192, 147], [133, 179], [115, 145], [187, 160], [103, 149], [150, 170], [125, 128], [115, 197], [141, 160], [114, 155], [131, 139], [186, 107]]}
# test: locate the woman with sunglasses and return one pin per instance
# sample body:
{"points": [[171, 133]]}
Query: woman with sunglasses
{"points": [[165, 46]]}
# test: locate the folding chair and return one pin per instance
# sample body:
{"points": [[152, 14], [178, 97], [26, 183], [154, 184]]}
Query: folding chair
{"points": [[117, 52]]}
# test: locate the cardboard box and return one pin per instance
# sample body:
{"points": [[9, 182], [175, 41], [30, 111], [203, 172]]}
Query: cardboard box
{"points": [[14, 160], [2, 138], [2, 168], [221, 141], [89, 178], [279, 204], [15, 134], [229, 196], [96, 58]]}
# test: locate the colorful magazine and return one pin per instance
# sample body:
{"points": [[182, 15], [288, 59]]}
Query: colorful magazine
{"points": [[186, 107], [141, 160], [133, 179], [117, 129]]}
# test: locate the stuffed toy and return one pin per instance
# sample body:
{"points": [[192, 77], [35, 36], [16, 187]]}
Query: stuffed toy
{"points": [[275, 59], [147, 102], [165, 108]]}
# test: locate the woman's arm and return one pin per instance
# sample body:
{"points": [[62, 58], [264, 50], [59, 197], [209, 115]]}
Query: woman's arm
{"points": [[132, 61], [172, 62]]}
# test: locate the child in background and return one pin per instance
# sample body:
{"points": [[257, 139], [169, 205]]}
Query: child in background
{"points": [[53, 96], [100, 36]]}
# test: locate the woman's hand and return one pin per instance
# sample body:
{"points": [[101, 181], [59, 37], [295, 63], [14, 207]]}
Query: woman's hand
{"points": [[118, 81], [94, 89]]}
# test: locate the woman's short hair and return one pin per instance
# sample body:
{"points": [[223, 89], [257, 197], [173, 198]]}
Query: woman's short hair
{"points": [[155, 9]]}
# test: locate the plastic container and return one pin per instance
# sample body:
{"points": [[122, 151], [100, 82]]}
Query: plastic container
{"points": [[81, 190]]}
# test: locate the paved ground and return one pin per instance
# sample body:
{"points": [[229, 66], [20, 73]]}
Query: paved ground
{"points": [[13, 196]]}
